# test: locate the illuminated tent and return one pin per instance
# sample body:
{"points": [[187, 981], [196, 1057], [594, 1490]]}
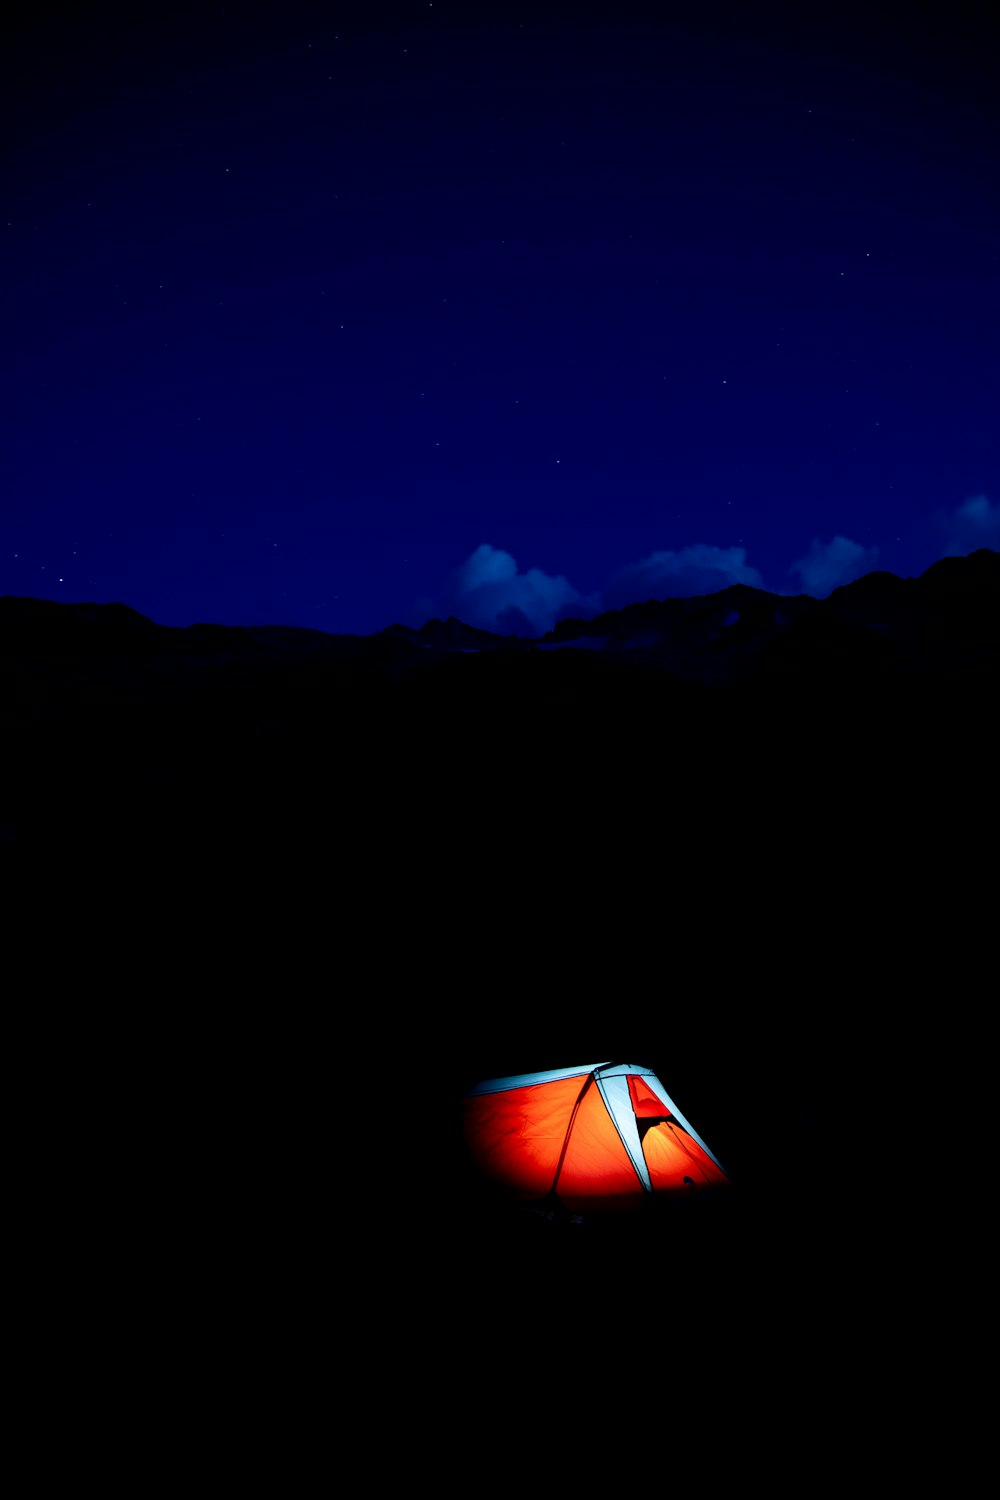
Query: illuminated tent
{"points": [[591, 1138]]}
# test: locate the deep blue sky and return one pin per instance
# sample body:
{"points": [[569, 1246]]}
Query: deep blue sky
{"points": [[342, 315]]}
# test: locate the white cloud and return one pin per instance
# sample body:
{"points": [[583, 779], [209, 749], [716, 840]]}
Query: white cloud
{"points": [[491, 592], [699, 569], [975, 523], [828, 565]]}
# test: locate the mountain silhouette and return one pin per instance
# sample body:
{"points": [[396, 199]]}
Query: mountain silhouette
{"points": [[943, 622], [718, 720]]}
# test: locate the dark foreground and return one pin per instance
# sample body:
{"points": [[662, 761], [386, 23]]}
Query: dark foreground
{"points": [[268, 918]]}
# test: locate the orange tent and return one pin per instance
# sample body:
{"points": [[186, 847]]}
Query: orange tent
{"points": [[600, 1136]]}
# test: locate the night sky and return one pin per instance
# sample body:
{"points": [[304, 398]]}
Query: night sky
{"points": [[346, 315]]}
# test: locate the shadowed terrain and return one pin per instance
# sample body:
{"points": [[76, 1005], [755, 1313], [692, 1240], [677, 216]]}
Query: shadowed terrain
{"points": [[277, 898]]}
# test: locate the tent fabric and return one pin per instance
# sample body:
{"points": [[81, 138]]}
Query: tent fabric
{"points": [[517, 1133], [644, 1101], [593, 1136], [676, 1163]]}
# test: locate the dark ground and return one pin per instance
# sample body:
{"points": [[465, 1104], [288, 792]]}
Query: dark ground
{"points": [[250, 976]]}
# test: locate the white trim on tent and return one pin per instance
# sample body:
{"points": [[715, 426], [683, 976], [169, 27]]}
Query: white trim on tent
{"points": [[662, 1094], [614, 1091], [525, 1080]]}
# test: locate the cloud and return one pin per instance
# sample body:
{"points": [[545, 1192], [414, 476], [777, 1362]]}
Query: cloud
{"points": [[828, 565], [491, 592], [699, 569], [976, 523]]}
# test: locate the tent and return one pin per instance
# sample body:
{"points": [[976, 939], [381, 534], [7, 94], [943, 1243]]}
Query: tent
{"points": [[591, 1138]]}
